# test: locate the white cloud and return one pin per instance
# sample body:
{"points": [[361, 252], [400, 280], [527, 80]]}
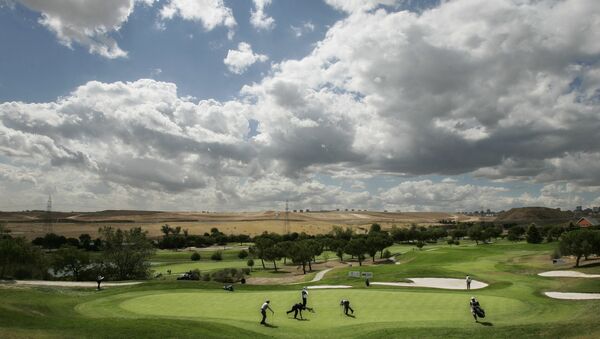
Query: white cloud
{"points": [[306, 27], [86, 22], [239, 60], [505, 90], [258, 18], [352, 6], [210, 13]]}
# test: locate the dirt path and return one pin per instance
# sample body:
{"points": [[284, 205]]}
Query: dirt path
{"points": [[443, 283], [91, 284], [573, 296], [568, 274]]}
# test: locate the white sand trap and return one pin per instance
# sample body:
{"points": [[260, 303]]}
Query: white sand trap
{"points": [[573, 296], [568, 274], [74, 283], [320, 287], [444, 283]]}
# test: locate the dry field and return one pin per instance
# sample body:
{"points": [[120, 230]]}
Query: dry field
{"points": [[31, 224]]}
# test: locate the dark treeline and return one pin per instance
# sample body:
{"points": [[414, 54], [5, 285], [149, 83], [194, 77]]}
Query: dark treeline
{"points": [[123, 255]]}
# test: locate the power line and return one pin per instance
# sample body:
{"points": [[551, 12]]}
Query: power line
{"points": [[48, 219]]}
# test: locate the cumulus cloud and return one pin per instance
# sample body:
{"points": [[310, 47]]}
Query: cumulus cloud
{"points": [[352, 6], [239, 60], [306, 27], [440, 91], [138, 133], [450, 90], [86, 22], [210, 13], [258, 18]]}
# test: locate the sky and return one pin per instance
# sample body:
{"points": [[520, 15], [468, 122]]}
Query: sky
{"points": [[223, 105]]}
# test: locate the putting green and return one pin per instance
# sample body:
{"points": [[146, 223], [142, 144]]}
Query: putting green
{"points": [[371, 306]]}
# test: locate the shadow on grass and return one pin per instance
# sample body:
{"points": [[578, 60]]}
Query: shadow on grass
{"points": [[303, 319], [350, 315], [270, 325], [591, 264], [485, 323]]}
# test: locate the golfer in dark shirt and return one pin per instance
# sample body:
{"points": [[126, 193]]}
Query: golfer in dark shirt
{"points": [[346, 304]]}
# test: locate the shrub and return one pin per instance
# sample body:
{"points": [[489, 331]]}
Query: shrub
{"points": [[387, 254], [228, 275], [206, 277], [195, 275], [218, 255], [450, 242], [243, 254], [420, 244], [250, 263], [195, 256], [456, 242]]}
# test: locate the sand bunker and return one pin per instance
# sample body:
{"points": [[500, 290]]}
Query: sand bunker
{"points": [[319, 287], [568, 274], [73, 283], [444, 283], [572, 296]]}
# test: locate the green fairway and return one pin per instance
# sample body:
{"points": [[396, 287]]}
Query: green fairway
{"points": [[371, 306], [514, 302]]}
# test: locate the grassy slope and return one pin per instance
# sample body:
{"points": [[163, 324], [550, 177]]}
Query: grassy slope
{"points": [[513, 301]]}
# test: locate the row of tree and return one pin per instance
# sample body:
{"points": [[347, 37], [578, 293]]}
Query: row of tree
{"points": [[580, 243], [124, 255], [302, 249]]}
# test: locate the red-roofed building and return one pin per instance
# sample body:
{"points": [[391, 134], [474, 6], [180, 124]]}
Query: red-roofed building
{"points": [[587, 222]]}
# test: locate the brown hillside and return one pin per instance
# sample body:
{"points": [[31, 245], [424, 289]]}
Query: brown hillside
{"points": [[534, 214]]}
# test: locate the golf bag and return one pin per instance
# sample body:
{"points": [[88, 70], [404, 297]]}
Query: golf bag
{"points": [[479, 312]]}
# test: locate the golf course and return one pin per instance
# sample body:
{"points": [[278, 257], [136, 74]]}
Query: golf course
{"points": [[514, 301]]}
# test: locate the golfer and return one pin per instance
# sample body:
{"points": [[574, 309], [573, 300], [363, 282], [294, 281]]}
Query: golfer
{"points": [[99, 279], [304, 296], [346, 304], [468, 282], [474, 306], [263, 312], [297, 308]]}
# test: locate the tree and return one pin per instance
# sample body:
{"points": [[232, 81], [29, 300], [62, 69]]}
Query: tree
{"points": [[299, 253], [217, 256], [195, 256], [533, 235], [86, 241], [578, 243], [357, 247], [250, 263], [18, 256], [273, 253], [127, 252], [375, 228], [261, 243], [340, 253], [243, 254], [515, 233], [475, 233], [70, 259]]}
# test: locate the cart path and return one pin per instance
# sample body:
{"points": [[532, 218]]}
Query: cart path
{"points": [[321, 274]]}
